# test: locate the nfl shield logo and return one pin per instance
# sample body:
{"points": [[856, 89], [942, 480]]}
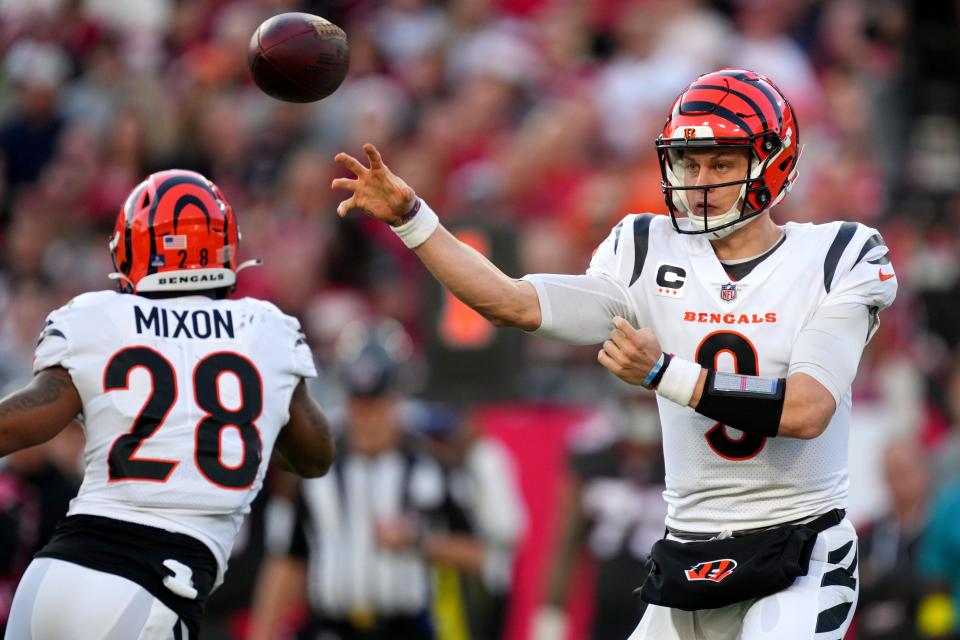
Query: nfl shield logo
{"points": [[728, 292]]}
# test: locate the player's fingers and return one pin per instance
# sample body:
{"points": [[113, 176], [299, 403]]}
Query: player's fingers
{"points": [[344, 207], [608, 363], [350, 163], [615, 353], [623, 326], [620, 339], [344, 183], [376, 162]]}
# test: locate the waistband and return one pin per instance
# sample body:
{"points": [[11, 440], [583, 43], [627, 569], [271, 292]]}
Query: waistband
{"points": [[818, 522]]}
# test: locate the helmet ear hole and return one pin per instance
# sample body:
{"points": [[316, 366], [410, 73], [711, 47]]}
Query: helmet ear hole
{"points": [[763, 196], [771, 143]]}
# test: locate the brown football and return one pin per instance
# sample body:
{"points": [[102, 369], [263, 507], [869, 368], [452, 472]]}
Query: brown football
{"points": [[298, 57]]}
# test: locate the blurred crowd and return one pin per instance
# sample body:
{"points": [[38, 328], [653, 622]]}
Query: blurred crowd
{"points": [[529, 126]]}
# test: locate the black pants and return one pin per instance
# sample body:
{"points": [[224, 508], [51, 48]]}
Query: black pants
{"points": [[387, 628]]}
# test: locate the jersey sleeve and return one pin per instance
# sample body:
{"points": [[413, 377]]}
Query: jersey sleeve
{"points": [[303, 364], [859, 282], [54, 346], [578, 309], [829, 346], [283, 336], [857, 268]]}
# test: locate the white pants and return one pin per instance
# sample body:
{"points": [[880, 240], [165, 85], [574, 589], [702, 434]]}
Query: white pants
{"points": [[817, 606], [58, 600]]}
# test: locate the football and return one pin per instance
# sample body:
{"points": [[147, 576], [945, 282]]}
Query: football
{"points": [[298, 57]]}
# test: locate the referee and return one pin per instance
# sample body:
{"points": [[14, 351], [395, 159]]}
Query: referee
{"points": [[337, 543]]}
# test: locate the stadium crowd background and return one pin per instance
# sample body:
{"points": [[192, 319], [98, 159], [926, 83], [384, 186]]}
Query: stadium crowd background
{"points": [[528, 122]]}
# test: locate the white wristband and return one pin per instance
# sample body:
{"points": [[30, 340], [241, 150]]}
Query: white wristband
{"points": [[679, 381], [416, 231]]}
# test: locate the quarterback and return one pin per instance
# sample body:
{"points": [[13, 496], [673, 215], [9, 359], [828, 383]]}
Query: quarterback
{"points": [[183, 395], [748, 331]]}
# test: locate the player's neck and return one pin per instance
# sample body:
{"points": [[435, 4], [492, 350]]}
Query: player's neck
{"points": [[748, 241]]}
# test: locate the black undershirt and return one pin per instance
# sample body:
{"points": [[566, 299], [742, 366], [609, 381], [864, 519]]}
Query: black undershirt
{"points": [[740, 270]]}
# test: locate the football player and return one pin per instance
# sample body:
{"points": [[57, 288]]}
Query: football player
{"points": [[183, 394], [749, 332]]}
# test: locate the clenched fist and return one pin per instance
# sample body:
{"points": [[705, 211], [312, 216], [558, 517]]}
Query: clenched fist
{"points": [[630, 354]]}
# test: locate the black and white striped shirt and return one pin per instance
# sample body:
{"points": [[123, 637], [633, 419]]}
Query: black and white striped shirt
{"points": [[335, 531]]}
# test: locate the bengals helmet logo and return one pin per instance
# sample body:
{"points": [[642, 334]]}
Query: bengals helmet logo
{"points": [[689, 133], [712, 570]]}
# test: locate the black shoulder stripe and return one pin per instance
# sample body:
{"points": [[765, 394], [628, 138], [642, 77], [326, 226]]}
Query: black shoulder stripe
{"points": [[844, 236], [50, 332], [641, 240], [616, 236], [876, 240]]}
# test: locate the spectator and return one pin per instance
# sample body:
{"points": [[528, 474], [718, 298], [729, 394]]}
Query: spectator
{"points": [[481, 522], [614, 511], [28, 139], [890, 588]]}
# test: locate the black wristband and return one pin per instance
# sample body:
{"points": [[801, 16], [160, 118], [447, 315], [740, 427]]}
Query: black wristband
{"points": [[748, 403], [667, 357]]}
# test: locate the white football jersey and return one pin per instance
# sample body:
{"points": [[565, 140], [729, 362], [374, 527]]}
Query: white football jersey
{"points": [[716, 477], [183, 399]]}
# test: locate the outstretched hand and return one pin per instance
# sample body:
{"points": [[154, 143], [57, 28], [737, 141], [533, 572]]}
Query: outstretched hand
{"points": [[629, 354], [376, 190]]}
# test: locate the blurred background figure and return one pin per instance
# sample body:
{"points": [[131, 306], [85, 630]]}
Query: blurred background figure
{"points": [[472, 544], [354, 543], [612, 512], [938, 561], [890, 585]]}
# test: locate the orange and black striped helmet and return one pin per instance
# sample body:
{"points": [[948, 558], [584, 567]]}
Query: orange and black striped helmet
{"points": [[175, 232], [729, 108]]}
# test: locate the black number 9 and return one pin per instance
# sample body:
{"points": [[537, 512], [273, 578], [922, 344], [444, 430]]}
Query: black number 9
{"points": [[745, 362]]}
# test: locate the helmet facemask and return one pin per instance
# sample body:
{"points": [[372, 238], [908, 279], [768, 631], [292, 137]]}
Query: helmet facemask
{"points": [[734, 109], [690, 205]]}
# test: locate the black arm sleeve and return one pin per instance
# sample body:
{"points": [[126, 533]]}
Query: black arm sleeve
{"points": [[749, 403]]}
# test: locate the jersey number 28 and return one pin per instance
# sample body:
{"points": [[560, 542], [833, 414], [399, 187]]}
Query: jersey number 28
{"points": [[745, 363], [123, 464]]}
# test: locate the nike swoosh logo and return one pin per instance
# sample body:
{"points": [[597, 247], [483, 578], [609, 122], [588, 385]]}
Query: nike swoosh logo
{"points": [[885, 276]]}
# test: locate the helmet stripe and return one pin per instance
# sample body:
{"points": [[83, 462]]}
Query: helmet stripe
{"points": [[703, 107], [753, 105], [161, 191], [226, 241], [131, 204], [185, 201], [759, 83]]}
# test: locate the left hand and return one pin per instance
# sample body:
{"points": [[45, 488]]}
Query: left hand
{"points": [[630, 354], [397, 533]]}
